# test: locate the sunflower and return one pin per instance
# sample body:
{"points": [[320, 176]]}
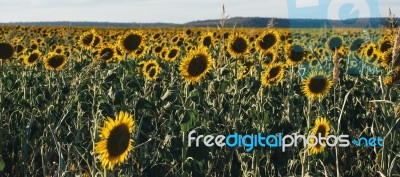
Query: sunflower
{"points": [[245, 70], [385, 45], [267, 40], [131, 41], [269, 57], [116, 140], [393, 77], [238, 45], [295, 54], [6, 50], [20, 49], [273, 75], [323, 128], [386, 60], [59, 49], [172, 54], [55, 61], [87, 38], [150, 69], [141, 51], [31, 59], [207, 39], [195, 66], [317, 85], [334, 42], [356, 44], [107, 53]]}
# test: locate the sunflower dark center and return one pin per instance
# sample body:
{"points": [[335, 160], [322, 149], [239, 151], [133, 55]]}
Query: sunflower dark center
{"points": [[152, 72], [335, 43], [207, 41], [172, 53], [6, 51], [197, 65], [19, 48], [274, 72], [239, 45], [149, 66], [107, 53], [132, 42], [267, 41], [96, 41], [56, 61], [88, 39], [156, 36], [297, 54], [158, 49], [356, 44], [317, 84], [370, 51], [118, 141], [385, 46], [33, 57]]}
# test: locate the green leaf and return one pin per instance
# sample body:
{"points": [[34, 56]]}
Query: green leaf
{"points": [[144, 104], [2, 164], [188, 120]]}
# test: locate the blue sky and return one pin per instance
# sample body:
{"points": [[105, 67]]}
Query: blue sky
{"points": [[181, 11]]}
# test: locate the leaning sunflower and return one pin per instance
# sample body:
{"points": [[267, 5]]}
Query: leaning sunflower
{"points": [[196, 65], [150, 69], [30, 60], [87, 38], [55, 61], [317, 85], [238, 45], [267, 40], [273, 75], [322, 127], [116, 140]]}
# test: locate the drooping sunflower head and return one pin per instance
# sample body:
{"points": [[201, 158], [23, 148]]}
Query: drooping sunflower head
{"points": [[55, 61], [6, 50], [87, 38], [140, 52], [322, 128], [151, 69], [393, 77], [131, 41], [273, 75], [334, 42], [269, 57], [245, 70], [238, 45], [316, 85], [267, 40], [195, 66], [116, 140], [295, 54], [386, 60], [385, 45], [32, 58], [107, 53]]}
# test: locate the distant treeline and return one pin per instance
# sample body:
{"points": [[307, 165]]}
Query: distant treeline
{"points": [[255, 22]]}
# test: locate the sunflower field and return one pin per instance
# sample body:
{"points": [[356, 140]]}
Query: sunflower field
{"points": [[120, 102]]}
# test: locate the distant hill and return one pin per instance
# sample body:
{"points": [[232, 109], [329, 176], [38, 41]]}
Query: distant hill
{"points": [[254, 22]]}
